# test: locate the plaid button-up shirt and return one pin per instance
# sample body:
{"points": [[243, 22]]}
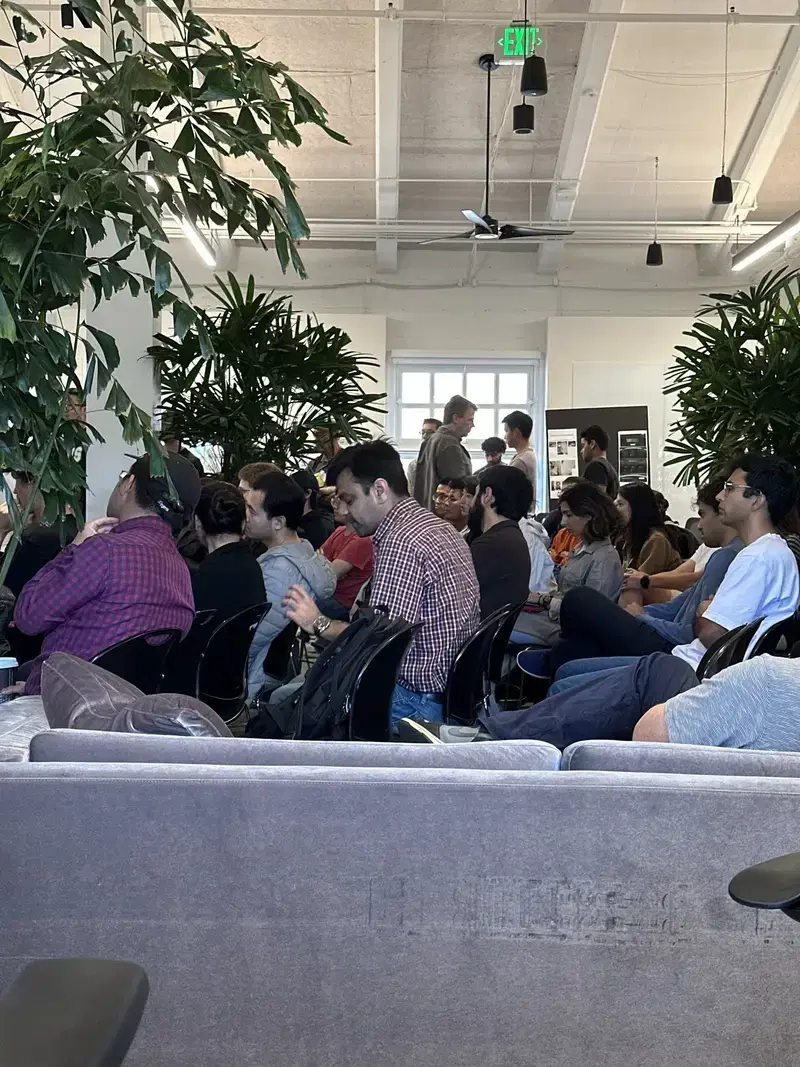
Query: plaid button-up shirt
{"points": [[112, 586], [424, 573]]}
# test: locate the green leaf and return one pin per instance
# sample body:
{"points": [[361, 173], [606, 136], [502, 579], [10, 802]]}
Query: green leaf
{"points": [[8, 326], [108, 346], [74, 195], [183, 316]]}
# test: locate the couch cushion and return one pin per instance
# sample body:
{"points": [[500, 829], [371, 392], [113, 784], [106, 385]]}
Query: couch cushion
{"points": [[81, 746], [81, 695], [651, 757], [169, 713]]}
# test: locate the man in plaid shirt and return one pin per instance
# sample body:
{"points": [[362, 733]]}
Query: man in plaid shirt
{"points": [[423, 574]]}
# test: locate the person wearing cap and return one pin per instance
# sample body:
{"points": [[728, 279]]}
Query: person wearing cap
{"points": [[121, 576], [317, 523]]}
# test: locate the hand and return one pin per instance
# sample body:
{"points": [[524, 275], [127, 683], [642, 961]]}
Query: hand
{"points": [[632, 579], [96, 526], [300, 608], [18, 688], [634, 609]]}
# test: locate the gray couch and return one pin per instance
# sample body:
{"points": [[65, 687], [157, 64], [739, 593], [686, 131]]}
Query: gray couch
{"points": [[678, 759], [349, 917]]}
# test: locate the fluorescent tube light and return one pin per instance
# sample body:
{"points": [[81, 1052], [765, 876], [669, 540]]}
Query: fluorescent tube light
{"points": [[782, 233], [191, 232]]}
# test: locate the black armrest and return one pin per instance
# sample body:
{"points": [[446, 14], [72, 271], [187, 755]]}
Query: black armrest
{"points": [[773, 884], [71, 1013]]}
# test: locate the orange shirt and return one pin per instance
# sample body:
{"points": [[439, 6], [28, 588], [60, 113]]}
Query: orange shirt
{"points": [[562, 544]]}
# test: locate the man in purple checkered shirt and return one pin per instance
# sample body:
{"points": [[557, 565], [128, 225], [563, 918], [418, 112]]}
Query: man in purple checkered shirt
{"points": [[423, 573], [121, 576]]}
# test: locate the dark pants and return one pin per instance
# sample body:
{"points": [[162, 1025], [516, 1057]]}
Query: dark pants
{"points": [[605, 707], [592, 626]]}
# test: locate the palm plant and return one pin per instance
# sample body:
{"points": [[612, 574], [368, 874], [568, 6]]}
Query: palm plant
{"points": [[738, 388], [114, 145], [268, 378]]}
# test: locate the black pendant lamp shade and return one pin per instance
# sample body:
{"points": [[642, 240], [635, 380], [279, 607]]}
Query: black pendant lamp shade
{"points": [[723, 190], [655, 255], [534, 77], [523, 118]]}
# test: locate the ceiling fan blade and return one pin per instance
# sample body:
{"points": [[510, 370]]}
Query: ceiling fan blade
{"points": [[475, 218], [452, 237], [509, 232]]}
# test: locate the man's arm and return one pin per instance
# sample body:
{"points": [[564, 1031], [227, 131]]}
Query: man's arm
{"points": [[74, 578], [682, 578], [342, 567], [300, 608], [652, 725]]}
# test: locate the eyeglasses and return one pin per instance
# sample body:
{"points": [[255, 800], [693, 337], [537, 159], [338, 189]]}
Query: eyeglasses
{"points": [[729, 487]]}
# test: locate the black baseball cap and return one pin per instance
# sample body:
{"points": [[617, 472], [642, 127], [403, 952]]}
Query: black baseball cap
{"points": [[184, 477]]}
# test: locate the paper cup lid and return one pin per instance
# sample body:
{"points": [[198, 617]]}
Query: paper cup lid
{"points": [[6, 662]]}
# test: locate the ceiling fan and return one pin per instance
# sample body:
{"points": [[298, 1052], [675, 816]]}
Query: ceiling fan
{"points": [[485, 227]]}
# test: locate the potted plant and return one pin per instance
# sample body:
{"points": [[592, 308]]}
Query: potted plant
{"points": [[121, 141], [738, 386], [265, 381]]}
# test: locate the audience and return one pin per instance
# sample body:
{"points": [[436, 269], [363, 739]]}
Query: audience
{"points": [[328, 444], [352, 558], [499, 552], [274, 513], [229, 579], [251, 472], [40, 541], [429, 428], [594, 451], [423, 573], [590, 515], [493, 449], [317, 524], [450, 504], [470, 489], [444, 456], [562, 542], [518, 429], [643, 545], [173, 444], [121, 576]]}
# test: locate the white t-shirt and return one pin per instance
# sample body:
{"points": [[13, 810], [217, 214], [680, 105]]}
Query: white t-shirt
{"points": [[762, 581], [701, 557]]}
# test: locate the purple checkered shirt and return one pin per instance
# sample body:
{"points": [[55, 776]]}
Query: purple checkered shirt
{"points": [[424, 573], [112, 586]]}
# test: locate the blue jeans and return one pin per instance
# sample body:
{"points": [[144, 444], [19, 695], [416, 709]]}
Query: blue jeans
{"points": [[578, 670], [407, 704]]}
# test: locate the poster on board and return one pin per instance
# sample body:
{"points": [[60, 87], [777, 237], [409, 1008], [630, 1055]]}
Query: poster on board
{"points": [[633, 453], [562, 458]]}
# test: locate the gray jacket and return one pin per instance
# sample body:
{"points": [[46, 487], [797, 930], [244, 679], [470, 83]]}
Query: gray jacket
{"points": [[295, 564], [442, 456]]}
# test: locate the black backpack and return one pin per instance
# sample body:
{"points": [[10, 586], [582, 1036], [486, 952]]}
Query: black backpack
{"points": [[319, 709]]}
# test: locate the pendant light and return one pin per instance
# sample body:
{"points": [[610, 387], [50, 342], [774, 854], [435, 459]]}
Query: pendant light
{"points": [[655, 253], [523, 113], [723, 186], [534, 70]]}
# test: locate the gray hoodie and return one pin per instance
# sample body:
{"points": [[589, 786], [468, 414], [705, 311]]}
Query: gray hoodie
{"points": [[285, 565], [537, 540]]}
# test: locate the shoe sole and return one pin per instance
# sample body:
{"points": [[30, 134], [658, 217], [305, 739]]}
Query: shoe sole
{"points": [[412, 732]]}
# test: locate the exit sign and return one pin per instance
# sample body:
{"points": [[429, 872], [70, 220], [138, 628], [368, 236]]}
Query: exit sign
{"points": [[519, 41]]}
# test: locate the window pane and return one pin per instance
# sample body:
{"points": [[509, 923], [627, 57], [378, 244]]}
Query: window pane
{"points": [[415, 387], [513, 391], [480, 388], [447, 384], [411, 422], [485, 423]]}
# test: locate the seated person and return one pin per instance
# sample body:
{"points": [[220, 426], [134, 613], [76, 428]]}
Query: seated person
{"points": [[41, 541], [562, 542], [677, 581], [251, 472], [749, 705], [121, 576], [351, 557], [274, 513], [229, 579], [590, 515], [538, 543], [592, 626], [449, 504], [643, 545], [499, 552], [317, 524], [493, 449]]}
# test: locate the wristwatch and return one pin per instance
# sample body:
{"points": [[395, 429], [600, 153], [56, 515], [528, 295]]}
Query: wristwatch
{"points": [[321, 624], [644, 581]]}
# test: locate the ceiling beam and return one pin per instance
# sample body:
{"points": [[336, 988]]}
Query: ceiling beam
{"points": [[388, 76], [760, 145], [593, 65]]}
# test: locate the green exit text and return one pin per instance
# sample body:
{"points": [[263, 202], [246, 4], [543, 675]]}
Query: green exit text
{"points": [[519, 40]]}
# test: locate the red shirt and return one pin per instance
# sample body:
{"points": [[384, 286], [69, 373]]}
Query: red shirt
{"points": [[345, 544]]}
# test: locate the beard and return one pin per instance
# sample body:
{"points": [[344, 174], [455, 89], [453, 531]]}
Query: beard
{"points": [[475, 520]]}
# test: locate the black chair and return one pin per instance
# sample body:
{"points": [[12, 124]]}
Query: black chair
{"points": [[465, 683], [222, 671], [369, 705], [727, 650], [774, 884], [779, 640], [140, 659], [498, 649], [183, 659], [278, 660], [64, 1013]]}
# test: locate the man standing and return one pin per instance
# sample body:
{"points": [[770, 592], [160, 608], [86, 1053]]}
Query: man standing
{"points": [[493, 448], [499, 552], [173, 444], [445, 456], [518, 429], [423, 573], [429, 428], [594, 448], [121, 576]]}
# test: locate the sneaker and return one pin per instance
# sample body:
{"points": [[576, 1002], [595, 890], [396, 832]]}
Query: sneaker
{"points": [[535, 663], [420, 731]]}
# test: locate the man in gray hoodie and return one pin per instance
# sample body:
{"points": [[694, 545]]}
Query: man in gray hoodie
{"points": [[274, 512], [443, 456]]}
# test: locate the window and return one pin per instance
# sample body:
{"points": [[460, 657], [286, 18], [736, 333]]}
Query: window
{"points": [[420, 385]]}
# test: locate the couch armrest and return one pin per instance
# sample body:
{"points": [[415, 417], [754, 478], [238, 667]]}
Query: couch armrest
{"points": [[71, 1013], [772, 884]]}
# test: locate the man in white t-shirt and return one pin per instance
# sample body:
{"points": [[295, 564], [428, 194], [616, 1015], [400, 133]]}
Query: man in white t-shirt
{"points": [[518, 428]]}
